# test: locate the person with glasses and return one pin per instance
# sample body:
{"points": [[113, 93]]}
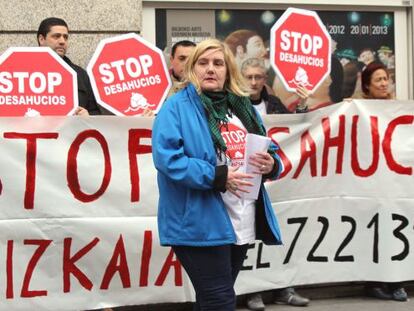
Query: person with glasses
{"points": [[261, 95], [254, 72]]}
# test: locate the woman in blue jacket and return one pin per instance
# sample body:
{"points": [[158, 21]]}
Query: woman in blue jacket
{"points": [[198, 145]]}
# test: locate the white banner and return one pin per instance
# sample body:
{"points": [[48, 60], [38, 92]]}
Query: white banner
{"points": [[78, 201]]}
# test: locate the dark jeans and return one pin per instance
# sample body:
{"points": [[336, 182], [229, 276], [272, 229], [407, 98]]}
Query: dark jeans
{"points": [[390, 286], [213, 271]]}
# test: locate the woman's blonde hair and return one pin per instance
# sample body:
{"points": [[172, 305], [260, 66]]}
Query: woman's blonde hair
{"points": [[234, 81]]}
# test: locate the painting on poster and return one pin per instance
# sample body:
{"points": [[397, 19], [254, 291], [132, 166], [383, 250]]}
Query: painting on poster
{"points": [[177, 25], [357, 39]]}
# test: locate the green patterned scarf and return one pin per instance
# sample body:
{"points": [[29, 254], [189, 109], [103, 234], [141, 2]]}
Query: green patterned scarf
{"points": [[218, 105]]}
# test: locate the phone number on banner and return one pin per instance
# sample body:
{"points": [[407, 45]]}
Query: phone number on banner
{"points": [[400, 231]]}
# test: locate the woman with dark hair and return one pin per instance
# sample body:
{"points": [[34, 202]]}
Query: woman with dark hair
{"points": [[202, 213], [375, 83]]}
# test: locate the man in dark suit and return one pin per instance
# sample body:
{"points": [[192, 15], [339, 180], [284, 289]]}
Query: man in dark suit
{"points": [[53, 32]]}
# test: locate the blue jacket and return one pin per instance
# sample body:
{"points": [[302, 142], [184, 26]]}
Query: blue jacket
{"points": [[190, 210]]}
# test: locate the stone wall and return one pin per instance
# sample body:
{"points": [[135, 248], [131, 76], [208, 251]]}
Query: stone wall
{"points": [[89, 21]]}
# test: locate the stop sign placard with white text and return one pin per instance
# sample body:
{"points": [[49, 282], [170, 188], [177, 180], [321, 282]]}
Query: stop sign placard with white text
{"points": [[36, 81], [129, 75], [300, 49]]}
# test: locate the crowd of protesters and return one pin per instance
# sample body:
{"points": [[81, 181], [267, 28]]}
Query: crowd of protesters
{"points": [[202, 212]]}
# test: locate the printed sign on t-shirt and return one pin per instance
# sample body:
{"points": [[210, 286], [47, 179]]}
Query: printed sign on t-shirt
{"points": [[235, 139]]}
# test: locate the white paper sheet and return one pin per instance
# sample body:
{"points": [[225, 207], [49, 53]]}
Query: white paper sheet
{"points": [[254, 143]]}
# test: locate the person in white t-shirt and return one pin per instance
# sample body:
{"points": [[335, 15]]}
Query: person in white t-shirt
{"points": [[198, 141]]}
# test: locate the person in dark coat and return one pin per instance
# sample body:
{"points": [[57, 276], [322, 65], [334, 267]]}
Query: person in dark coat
{"points": [[53, 32], [375, 81], [254, 72]]}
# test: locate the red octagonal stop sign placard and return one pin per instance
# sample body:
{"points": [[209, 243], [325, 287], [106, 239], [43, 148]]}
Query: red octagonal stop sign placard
{"points": [[300, 49], [36, 81], [129, 75]]}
